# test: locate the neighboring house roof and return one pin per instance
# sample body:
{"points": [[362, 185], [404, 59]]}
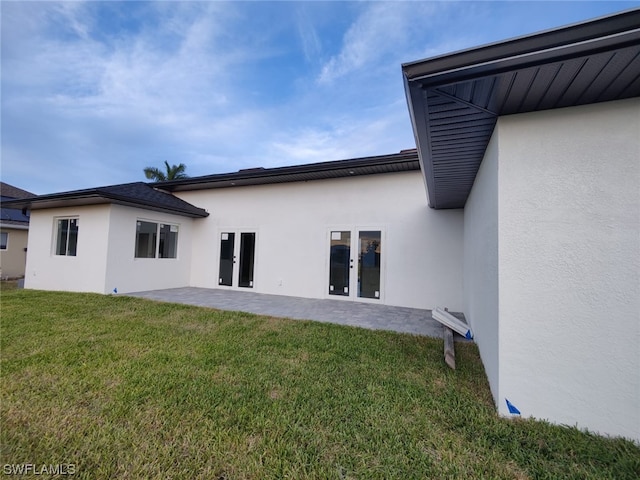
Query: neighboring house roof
{"points": [[454, 100], [137, 194], [11, 217], [9, 191], [398, 162]]}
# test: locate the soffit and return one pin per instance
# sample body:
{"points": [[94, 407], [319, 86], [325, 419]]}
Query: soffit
{"points": [[454, 101]]}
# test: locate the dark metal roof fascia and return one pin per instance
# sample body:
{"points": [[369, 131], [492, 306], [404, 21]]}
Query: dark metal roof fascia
{"points": [[585, 37], [195, 212], [96, 197], [418, 112], [255, 176], [26, 203], [518, 62]]}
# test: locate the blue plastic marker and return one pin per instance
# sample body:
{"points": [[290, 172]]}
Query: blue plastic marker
{"points": [[512, 408]]}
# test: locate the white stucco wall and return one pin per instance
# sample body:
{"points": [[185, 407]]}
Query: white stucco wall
{"points": [[421, 248], [83, 273], [481, 263], [130, 274], [569, 266], [105, 253]]}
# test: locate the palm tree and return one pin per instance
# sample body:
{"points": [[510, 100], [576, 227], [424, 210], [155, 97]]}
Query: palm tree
{"points": [[173, 172]]}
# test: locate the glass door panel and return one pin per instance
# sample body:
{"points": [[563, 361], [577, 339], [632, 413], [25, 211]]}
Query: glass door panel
{"points": [[227, 259], [369, 250], [247, 251], [339, 263]]}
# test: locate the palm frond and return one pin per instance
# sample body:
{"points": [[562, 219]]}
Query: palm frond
{"points": [[153, 173], [175, 172], [172, 172]]}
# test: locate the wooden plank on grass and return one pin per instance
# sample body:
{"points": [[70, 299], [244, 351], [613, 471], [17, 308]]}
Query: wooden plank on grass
{"points": [[449, 351]]}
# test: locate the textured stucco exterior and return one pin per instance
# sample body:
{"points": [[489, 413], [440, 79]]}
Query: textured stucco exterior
{"points": [[568, 266], [421, 248], [481, 263], [544, 260], [84, 272], [130, 274], [105, 253], [13, 259]]}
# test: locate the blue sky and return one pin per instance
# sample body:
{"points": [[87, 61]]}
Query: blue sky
{"points": [[93, 92]]}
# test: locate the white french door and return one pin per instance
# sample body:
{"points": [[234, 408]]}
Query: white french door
{"points": [[355, 264], [237, 259]]}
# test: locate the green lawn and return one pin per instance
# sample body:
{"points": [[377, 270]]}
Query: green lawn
{"points": [[128, 388]]}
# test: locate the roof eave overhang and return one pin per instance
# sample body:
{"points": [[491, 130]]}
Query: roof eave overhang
{"points": [[418, 112], [316, 171], [584, 38], [191, 213], [15, 226], [463, 73], [97, 198], [435, 78]]}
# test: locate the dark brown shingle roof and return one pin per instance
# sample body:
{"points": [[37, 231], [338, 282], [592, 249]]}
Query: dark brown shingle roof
{"points": [[157, 196], [136, 194]]}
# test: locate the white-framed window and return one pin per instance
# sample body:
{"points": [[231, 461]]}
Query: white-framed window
{"points": [[156, 240], [66, 236], [4, 240]]}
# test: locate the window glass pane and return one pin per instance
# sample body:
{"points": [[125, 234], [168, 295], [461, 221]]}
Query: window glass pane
{"points": [[4, 239], [339, 263], [62, 234], [146, 233], [369, 264], [72, 241], [168, 247], [66, 236], [247, 249], [225, 273]]}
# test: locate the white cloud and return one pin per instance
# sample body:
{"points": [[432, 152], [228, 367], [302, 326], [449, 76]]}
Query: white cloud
{"points": [[92, 92], [73, 17], [385, 129], [382, 30], [311, 44], [168, 81], [112, 102], [100, 100]]}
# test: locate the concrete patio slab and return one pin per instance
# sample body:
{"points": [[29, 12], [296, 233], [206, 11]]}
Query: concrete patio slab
{"points": [[357, 314]]}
